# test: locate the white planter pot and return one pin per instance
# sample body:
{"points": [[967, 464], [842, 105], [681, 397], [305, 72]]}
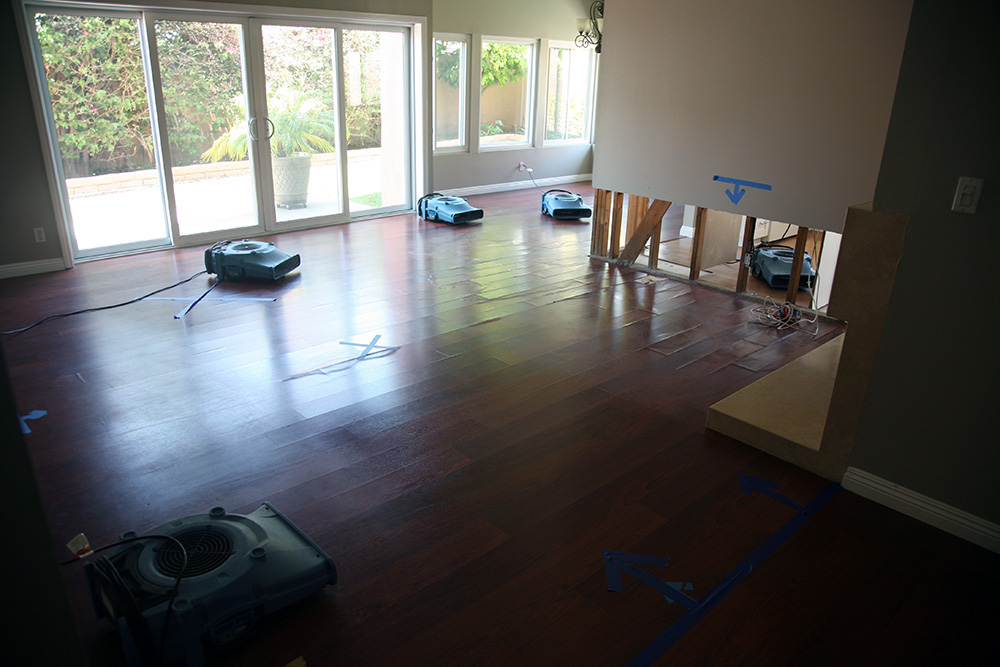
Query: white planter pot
{"points": [[291, 180]]}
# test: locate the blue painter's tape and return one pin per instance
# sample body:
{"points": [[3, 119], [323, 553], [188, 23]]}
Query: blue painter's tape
{"points": [[740, 181], [616, 562], [368, 347], [213, 298], [194, 303], [34, 414], [751, 484], [669, 637]]}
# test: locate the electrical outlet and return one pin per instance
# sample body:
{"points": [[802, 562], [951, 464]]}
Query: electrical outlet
{"points": [[967, 194], [39, 235], [521, 166]]}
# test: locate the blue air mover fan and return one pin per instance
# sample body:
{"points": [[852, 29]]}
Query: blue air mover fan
{"points": [[564, 205], [773, 265], [241, 260], [204, 582], [444, 208]]}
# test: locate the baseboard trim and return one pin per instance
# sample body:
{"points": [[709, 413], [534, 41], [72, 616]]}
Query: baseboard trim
{"points": [[515, 185], [949, 519], [31, 268]]}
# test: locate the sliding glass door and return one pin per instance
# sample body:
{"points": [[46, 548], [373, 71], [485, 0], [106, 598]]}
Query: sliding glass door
{"points": [[205, 113], [377, 114], [190, 127], [99, 115], [303, 126]]}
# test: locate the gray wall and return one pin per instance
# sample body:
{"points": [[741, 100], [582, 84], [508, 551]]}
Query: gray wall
{"points": [[792, 94], [24, 193], [930, 420], [549, 19]]}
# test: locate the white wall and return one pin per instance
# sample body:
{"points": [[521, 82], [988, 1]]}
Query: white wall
{"points": [[794, 94]]}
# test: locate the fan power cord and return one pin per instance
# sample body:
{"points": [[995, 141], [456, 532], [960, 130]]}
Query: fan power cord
{"points": [[13, 332], [123, 603]]}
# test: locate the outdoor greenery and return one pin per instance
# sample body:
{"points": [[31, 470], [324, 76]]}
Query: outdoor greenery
{"points": [[502, 63], [301, 124], [95, 78], [97, 88]]}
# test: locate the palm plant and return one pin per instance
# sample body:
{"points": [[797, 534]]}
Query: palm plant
{"points": [[301, 123]]}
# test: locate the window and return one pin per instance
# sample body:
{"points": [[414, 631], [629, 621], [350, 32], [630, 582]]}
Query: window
{"points": [[569, 94], [506, 91], [451, 57]]}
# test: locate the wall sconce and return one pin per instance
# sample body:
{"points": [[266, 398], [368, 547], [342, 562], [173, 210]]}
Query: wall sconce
{"points": [[591, 29]]}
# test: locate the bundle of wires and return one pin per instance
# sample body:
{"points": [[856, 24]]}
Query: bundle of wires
{"points": [[785, 316], [121, 601]]}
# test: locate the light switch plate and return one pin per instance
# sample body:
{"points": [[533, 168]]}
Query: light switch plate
{"points": [[967, 194]]}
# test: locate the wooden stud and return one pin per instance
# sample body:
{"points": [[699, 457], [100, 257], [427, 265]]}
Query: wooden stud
{"points": [[796, 274], [749, 225], [637, 207], [616, 226], [654, 245], [696, 243], [602, 222], [643, 231], [598, 223]]}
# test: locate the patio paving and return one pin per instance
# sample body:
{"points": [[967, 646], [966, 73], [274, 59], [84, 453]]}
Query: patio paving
{"points": [[135, 215]]}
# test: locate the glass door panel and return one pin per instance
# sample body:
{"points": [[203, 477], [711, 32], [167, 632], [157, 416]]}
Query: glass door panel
{"points": [[302, 123], [376, 113], [204, 100], [95, 85]]}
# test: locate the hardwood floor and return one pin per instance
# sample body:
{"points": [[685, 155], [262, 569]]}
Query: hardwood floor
{"points": [[541, 407]]}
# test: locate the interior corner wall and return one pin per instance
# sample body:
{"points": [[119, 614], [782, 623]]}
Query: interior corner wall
{"points": [[551, 19], [24, 190], [929, 421], [788, 94]]}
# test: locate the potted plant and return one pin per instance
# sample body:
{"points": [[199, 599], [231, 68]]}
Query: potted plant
{"points": [[299, 125]]}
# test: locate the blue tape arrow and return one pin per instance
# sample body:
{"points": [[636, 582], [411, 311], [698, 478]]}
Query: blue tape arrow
{"points": [[736, 194], [751, 484], [616, 562], [669, 637]]}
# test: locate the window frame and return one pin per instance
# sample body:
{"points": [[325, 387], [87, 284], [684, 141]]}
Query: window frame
{"points": [[531, 95], [543, 93], [464, 94]]}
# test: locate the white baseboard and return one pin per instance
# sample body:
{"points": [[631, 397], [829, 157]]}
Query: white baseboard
{"points": [[515, 185], [934, 512], [31, 268]]}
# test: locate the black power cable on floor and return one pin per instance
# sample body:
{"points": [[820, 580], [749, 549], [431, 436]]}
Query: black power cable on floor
{"points": [[97, 308]]}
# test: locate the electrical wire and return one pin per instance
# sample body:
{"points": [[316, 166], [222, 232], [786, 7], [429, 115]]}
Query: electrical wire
{"points": [[529, 170], [121, 598], [97, 308], [785, 316]]}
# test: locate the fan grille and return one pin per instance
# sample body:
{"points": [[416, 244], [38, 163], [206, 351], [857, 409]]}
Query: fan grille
{"points": [[206, 549]]}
